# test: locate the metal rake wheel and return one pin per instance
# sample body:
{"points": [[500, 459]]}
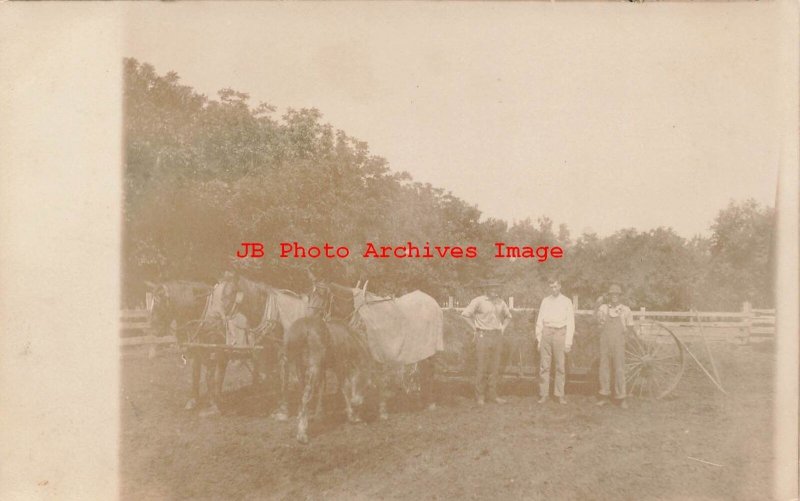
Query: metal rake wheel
{"points": [[654, 361]]}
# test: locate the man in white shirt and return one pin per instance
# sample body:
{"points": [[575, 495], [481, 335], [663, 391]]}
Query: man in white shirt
{"points": [[555, 326], [490, 316]]}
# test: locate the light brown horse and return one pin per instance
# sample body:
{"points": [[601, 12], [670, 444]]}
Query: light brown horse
{"points": [[255, 315], [314, 345], [244, 313]]}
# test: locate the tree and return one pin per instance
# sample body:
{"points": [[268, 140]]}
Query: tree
{"points": [[742, 246]]}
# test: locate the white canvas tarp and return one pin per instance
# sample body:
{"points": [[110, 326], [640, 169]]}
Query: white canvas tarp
{"points": [[403, 330]]}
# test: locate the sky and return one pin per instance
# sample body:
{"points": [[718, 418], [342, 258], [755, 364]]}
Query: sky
{"points": [[600, 116]]}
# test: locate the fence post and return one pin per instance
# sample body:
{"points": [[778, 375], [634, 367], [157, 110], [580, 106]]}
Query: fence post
{"points": [[575, 302], [747, 309], [449, 301], [511, 302], [642, 314]]}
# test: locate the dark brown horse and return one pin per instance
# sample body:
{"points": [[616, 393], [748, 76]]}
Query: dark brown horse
{"points": [[313, 345], [415, 377], [188, 305], [212, 329], [180, 301]]}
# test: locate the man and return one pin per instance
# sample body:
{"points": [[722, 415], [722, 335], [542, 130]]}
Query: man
{"points": [[490, 316], [615, 319], [555, 326]]}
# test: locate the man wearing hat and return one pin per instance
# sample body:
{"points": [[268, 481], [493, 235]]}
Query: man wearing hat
{"points": [[490, 316], [615, 319]]}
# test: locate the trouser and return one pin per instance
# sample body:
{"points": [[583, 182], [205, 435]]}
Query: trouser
{"points": [[612, 357], [489, 348], [552, 346]]}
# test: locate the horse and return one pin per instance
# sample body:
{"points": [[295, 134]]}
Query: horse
{"points": [[256, 318], [212, 329], [392, 328], [230, 317], [260, 315], [313, 345], [181, 301]]}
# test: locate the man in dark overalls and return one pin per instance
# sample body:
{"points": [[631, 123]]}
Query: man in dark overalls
{"points": [[615, 320]]}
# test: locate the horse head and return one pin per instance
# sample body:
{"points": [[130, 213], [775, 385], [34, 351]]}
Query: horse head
{"points": [[320, 298], [161, 313], [230, 292], [179, 301]]}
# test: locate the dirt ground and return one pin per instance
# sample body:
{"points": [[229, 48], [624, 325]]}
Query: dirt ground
{"points": [[515, 450]]}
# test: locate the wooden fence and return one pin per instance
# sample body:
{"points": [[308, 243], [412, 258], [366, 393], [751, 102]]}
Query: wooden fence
{"points": [[135, 330], [745, 326]]}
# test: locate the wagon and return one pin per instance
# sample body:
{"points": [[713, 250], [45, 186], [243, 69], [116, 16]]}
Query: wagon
{"points": [[257, 345], [654, 359]]}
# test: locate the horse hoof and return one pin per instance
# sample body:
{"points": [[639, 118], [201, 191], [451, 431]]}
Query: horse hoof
{"points": [[190, 405], [431, 407], [280, 416], [210, 412], [354, 419], [302, 438], [384, 416]]}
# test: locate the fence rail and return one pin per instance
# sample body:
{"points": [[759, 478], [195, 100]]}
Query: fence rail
{"points": [[136, 330], [750, 323]]}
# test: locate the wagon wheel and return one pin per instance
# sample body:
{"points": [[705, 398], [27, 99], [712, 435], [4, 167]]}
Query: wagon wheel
{"points": [[654, 361]]}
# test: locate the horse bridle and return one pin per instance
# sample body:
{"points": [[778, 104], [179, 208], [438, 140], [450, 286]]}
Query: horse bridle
{"points": [[327, 303]]}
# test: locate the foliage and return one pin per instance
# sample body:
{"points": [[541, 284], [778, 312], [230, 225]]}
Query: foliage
{"points": [[742, 250], [203, 175]]}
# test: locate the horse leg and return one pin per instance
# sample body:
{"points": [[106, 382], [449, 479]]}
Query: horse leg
{"points": [[222, 367], [383, 389], [427, 390], [211, 385], [321, 391], [345, 385], [282, 414], [197, 367], [302, 376], [256, 382], [308, 391]]}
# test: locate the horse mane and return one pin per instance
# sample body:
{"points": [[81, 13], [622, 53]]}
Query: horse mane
{"points": [[261, 289], [341, 288], [186, 292], [255, 295], [247, 285]]}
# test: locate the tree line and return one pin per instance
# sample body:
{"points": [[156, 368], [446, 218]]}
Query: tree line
{"points": [[203, 175]]}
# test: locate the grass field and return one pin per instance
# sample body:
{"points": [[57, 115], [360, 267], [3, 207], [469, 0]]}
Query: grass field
{"points": [[516, 450]]}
